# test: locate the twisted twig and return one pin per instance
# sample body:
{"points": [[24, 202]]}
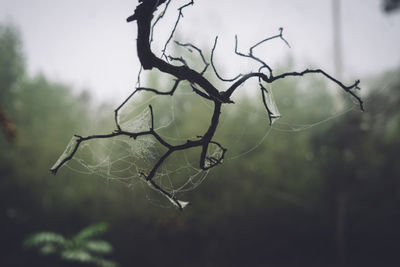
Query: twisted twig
{"points": [[143, 16]]}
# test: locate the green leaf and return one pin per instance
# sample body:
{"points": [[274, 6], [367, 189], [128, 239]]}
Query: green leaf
{"points": [[48, 249], [92, 231], [44, 238], [98, 246], [104, 263], [76, 255]]}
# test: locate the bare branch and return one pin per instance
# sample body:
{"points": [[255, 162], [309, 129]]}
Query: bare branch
{"points": [[200, 93], [152, 118], [171, 92], [339, 83], [268, 39], [158, 19], [138, 76], [267, 79], [271, 115], [167, 194], [143, 15], [251, 56], [180, 15], [215, 70], [180, 59], [116, 111], [206, 64]]}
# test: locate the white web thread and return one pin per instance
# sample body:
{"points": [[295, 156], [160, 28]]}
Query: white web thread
{"points": [[291, 127], [252, 148], [122, 151], [68, 150], [271, 103], [199, 175], [124, 159]]}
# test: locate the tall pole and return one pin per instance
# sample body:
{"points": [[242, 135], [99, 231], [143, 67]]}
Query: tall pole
{"points": [[337, 40], [340, 196]]}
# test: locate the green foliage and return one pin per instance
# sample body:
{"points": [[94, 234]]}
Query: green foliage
{"points": [[80, 248], [92, 231], [45, 238]]}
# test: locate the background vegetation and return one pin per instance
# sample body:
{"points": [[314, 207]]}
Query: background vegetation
{"points": [[279, 205]]}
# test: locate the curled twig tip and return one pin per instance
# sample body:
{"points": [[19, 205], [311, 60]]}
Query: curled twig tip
{"points": [[202, 86]]}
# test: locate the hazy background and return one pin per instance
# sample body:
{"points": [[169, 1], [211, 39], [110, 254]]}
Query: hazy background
{"points": [[320, 187], [88, 44]]}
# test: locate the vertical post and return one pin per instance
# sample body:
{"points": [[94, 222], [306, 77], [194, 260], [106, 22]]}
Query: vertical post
{"points": [[340, 195], [337, 40], [341, 215]]}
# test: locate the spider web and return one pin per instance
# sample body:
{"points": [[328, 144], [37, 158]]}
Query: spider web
{"points": [[285, 126], [129, 160], [279, 125]]}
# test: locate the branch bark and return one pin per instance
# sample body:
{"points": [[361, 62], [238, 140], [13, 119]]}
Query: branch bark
{"points": [[143, 15]]}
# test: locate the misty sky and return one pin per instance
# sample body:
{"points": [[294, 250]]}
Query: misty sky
{"points": [[88, 44]]}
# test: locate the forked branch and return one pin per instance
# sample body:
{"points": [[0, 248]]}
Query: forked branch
{"points": [[143, 15]]}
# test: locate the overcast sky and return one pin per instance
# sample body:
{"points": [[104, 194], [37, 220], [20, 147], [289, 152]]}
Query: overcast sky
{"points": [[88, 44]]}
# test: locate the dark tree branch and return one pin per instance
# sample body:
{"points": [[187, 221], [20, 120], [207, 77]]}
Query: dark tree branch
{"points": [[143, 15], [180, 59], [158, 19], [188, 45], [138, 76], [271, 115], [271, 79], [268, 39], [180, 15], [167, 194], [171, 92], [200, 93], [214, 68]]}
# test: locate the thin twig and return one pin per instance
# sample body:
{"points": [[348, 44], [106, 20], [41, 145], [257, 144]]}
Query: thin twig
{"points": [[214, 68], [143, 15], [158, 19], [180, 15], [206, 64]]}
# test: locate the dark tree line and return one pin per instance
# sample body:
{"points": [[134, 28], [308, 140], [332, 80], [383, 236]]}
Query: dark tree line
{"points": [[273, 205], [391, 5]]}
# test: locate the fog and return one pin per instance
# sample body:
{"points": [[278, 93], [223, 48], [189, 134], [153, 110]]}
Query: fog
{"points": [[88, 44]]}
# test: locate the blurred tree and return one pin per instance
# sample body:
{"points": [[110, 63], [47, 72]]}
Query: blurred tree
{"points": [[270, 202], [8, 127], [12, 67], [11, 70], [44, 113], [362, 168], [391, 5]]}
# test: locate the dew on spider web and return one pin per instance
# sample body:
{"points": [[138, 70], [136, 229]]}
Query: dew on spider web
{"points": [[128, 160], [251, 130], [140, 123], [120, 158], [214, 156], [67, 152], [271, 104]]}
